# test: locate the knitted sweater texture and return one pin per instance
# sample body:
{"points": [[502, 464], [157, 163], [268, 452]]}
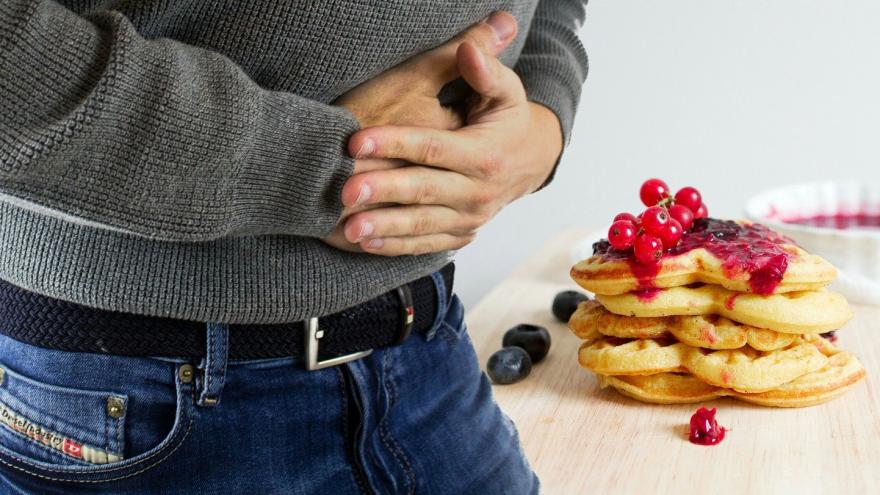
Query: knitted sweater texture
{"points": [[183, 158]]}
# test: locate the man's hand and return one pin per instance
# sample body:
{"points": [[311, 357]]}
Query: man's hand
{"points": [[463, 178], [406, 95]]}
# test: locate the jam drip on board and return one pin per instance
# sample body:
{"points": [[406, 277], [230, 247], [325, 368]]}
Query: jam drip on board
{"points": [[704, 429], [751, 249]]}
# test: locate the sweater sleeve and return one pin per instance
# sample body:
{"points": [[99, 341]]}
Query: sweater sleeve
{"points": [[553, 63], [155, 137]]}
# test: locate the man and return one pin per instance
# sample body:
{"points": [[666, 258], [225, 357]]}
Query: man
{"points": [[226, 234]]}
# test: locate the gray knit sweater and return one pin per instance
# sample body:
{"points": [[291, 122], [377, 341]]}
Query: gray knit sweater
{"points": [[183, 158]]}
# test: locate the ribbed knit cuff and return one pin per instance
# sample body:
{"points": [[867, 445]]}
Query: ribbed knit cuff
{"points": [[292, 179]]}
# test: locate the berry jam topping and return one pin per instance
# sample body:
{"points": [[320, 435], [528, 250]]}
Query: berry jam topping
{"points": [[830, 336], [743, 249], [661, 225], [705, 430]]}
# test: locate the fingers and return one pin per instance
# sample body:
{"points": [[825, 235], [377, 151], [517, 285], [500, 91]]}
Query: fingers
{"points": [[408, 221], [457, 151], [371, 164], [492, 36], [408, 185], [337, 239], [488, 76], [399, 246]]}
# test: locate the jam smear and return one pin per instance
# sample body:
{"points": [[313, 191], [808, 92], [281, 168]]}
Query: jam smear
{"points": [[704, 429], [730, 302], [830, 336], [751, 249], [647, 295]]}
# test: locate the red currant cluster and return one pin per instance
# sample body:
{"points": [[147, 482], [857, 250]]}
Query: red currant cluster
{"points": [[661, 225]]}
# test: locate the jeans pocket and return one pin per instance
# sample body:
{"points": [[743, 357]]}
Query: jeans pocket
{"points": [[60, 425], [64, 434]]}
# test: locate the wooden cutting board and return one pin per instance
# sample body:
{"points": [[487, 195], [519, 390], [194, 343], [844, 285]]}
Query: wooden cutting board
{"points": [[581, 439]]}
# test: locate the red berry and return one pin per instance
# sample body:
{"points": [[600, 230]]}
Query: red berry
{"points": [[683, 214], [653, 191], [702, 211], [648, 249], [672, 234], [626, 216], [654, 220], [622, 234], [690, 197]]}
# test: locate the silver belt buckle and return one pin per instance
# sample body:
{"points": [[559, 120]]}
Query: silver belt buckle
{"points": [[314, 334]]}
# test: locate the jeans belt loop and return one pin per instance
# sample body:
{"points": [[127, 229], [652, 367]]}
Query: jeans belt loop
{"points": [[216, 357]]}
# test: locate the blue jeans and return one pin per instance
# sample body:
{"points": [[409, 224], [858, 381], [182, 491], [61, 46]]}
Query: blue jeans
{"points": [[415, 418]]}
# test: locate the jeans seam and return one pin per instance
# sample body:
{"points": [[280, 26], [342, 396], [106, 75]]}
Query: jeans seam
{"points": [[120, 438], [442, 305], [106, 434], [385, 434], [346, 432]]}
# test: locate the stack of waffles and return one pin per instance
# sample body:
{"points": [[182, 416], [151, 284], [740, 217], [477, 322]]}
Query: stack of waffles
{"points": [[737, 311]]}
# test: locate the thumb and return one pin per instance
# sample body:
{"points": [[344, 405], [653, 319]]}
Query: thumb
{"points": [[488, 76], [438, 66]]}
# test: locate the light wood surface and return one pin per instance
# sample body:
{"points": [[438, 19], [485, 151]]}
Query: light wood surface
{"points": [[581, 439]]}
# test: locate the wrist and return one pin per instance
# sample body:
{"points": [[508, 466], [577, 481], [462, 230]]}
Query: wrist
{"points": [[547, 129]]}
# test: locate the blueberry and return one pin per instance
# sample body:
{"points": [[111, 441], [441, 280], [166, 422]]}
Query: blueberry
{"points": [[566, 302], [509, 365], [533, 339]]}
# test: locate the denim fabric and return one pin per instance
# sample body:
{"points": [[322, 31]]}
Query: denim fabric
{"points": [[415, 418]]}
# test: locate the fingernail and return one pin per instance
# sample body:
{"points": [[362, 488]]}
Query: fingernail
{"points": [[501, 25], [363, 195], [376, 244], [367, 147], [366, 229]]}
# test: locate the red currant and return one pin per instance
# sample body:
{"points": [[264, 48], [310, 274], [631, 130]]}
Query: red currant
{"points": [[653, 191], [702, 211], [690, 197], [654, 220], [648, 249], [622, 234], [683, 214], [672, 234], [626, 216]]}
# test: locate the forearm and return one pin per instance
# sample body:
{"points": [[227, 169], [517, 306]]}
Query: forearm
{"points": [[158, 138]]}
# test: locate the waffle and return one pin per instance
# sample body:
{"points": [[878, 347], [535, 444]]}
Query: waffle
{"points": [[744, 369], [841, 372], [591, 321], [732, 309], [791, 312], [611, 356], [600, 275], [748, 370]]}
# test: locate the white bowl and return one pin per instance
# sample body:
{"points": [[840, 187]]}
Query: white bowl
{"points": [[855, 251]]}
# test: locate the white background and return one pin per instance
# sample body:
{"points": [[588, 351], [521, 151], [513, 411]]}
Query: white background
{"points": [[730, 97]]}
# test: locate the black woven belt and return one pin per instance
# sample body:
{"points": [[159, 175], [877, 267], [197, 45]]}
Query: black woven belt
{"points": [[55, 324]]}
